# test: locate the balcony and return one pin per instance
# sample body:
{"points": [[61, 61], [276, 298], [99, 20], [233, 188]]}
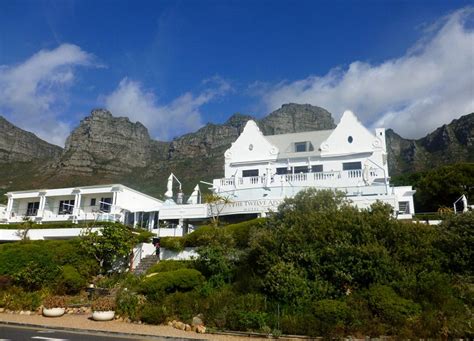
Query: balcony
{"points": [[334, 180]]}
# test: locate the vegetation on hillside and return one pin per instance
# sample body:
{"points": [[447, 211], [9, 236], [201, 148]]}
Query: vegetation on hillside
{"points": [[321, 267], [316, 267], [439, 187]]}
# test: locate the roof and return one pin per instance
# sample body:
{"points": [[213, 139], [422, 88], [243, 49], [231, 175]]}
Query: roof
{"points": [[111, 186], [285, 142]]}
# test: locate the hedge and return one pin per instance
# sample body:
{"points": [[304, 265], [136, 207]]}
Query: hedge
{"points": [[35, 264], [240, 232], [155, 287], [62, 225]]}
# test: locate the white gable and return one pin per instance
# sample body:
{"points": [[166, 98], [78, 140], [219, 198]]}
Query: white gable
{"points": [[350, 137], [250, 146]]}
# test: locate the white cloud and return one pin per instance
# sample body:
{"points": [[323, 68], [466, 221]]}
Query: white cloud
{"points": [[165, 121], [32, 92], [430, 85]]}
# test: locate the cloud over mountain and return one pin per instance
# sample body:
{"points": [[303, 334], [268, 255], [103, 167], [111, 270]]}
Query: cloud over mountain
{"points": [[430, 85], [181, 115], [33, 91]]}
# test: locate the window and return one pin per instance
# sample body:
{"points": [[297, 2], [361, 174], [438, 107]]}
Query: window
{"points": [[350, 139], [316, 168], [32, 208], [351, 165], [66, 206], [403, 207], [301, 169], [283, 170], [105, 204], [249, 172], [306, 146], [300, 147], [93, 202]]}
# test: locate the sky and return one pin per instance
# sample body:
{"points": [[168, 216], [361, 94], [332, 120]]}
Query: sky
{"points": [[176, 65]]}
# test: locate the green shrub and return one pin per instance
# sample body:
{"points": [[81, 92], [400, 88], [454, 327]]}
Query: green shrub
{"points": [[70, 281], [16, 298], [155, 287], [331, 317], [172, 243], [129, 304], [170, 265], [153, 313], [394, 310]]}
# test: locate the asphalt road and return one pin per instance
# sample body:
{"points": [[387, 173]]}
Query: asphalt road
{"points": [[15, 333]]}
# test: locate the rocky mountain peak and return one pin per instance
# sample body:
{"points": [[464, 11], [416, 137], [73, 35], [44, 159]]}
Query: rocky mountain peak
{"points": [[238, 120], [108, 143], [19, 145], [292, 118]]}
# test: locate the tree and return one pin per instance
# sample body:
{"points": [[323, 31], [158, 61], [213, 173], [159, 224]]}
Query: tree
{"points": [[26, 226], [216, 204], [111, 246]]}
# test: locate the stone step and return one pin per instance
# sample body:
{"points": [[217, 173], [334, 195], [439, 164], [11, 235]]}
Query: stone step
{"points": [[146, 263]]}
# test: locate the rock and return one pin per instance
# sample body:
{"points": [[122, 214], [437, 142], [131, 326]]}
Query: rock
{"points": [[27, 312], [180, 325], [200, 329], [197, 320], [22, 312], [2, 310], [93, 145], [19, 145], [170, 323], [187, 327]]}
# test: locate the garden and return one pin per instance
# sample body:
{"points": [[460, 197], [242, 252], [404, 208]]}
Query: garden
{"points": [[317, 267]]}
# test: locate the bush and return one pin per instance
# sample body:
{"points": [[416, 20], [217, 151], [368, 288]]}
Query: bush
{"points": [[394, 310], [129, 304], [170, 265], [172, 243], [36, 264], [152, 313], [17, 299], [155, 287], [332, 316], [70, 280]]}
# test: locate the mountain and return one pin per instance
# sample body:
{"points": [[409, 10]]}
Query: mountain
{"points": [[19, 145], [450, 143], [105, 149]]}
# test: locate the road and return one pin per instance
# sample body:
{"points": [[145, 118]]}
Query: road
{"points": [[15, 333]]}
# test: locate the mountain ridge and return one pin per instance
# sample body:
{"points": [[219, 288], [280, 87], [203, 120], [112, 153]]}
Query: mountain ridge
{"points": [[105, 148]]}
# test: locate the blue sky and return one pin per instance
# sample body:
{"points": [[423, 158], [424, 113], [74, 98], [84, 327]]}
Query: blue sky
{"points": [[175, 65]]}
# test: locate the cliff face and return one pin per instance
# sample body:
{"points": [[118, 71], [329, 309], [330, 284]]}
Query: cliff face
{"points": [[104, 148], [18, 145], [215, 139], [451, 143], [104, 143]]}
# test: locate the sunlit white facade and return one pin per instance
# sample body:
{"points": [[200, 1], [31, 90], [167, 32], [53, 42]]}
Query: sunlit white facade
{"points": [[89, 203], [260, 171]]}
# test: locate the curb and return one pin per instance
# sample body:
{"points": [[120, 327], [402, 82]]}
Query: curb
{"points": [[96, 332]]}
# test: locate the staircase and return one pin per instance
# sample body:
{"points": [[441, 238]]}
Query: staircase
{"points": [[145, 263]]}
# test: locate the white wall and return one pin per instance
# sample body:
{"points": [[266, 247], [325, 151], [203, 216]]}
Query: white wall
{"points": [[41, 234], [137, 202]]}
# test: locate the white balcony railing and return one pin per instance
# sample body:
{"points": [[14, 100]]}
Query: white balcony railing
{"points": [[333, 179]]}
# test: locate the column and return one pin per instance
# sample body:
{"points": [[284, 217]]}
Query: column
{"points": [[9, 206], [77, 204], [41, 205]]}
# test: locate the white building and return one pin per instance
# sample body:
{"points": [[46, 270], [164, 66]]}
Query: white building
{"points": [[260, 171], [76, 204]]}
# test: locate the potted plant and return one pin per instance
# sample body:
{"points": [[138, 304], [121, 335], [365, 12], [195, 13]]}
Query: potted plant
{"points": [[54, 306], [103, 309]]}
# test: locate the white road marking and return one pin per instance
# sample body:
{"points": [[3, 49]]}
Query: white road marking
{"points": [[47, 338]]}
